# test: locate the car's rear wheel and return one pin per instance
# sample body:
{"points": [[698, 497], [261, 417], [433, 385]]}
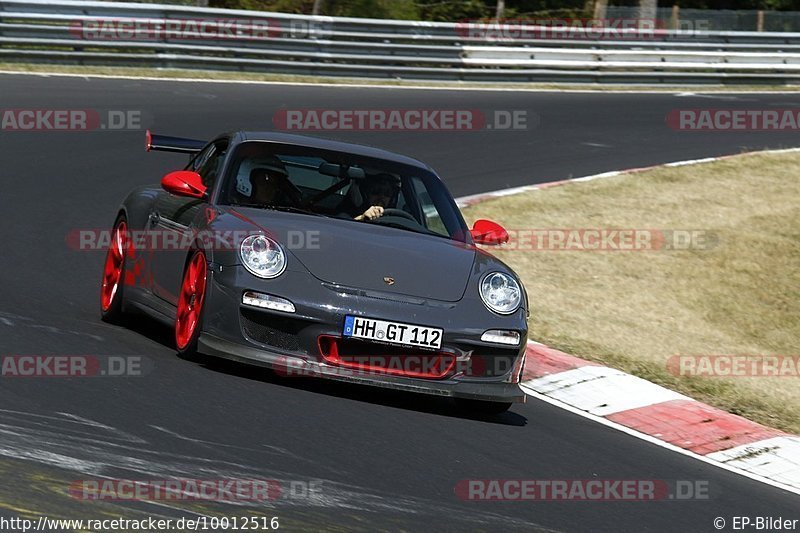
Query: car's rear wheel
{"points": [[111, 288], [188, 320], [483, 407]]}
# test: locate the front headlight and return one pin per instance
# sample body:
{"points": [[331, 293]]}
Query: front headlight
{"points": [[500, 292], [262, 256]]}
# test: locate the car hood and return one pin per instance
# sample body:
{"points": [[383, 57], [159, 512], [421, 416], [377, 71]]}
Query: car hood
{"points": [[364, 255]]}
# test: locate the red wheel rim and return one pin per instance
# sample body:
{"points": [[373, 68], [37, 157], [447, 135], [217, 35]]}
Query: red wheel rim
{"points": [[112, 271], [190, 300]]}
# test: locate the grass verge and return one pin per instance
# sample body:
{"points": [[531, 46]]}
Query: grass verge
{"points": [[738, 295], [214, 75]]}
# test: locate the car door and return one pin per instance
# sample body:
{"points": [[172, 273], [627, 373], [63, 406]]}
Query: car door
{"points": [[171, 219]]}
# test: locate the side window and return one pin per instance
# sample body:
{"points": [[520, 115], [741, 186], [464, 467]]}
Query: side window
{"points": [[201, 158], [432, 219], [208, 163]]}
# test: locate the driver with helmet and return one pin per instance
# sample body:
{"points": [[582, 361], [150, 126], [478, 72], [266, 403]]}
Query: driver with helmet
{"points": [[270, 184]]}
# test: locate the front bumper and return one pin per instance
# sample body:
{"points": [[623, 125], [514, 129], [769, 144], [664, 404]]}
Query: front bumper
{"points": [[289, 342]]}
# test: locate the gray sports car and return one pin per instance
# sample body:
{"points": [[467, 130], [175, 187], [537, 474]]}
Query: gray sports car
{"points": [[321, 258]]}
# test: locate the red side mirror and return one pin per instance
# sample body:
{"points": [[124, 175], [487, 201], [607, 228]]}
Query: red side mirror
{"points": [[184, 183], [488, 232]]}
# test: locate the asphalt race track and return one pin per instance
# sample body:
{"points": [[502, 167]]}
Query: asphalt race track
{"points": [[386, 461]]}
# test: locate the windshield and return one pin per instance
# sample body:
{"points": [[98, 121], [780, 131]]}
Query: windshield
{"points": [[336, 184]]}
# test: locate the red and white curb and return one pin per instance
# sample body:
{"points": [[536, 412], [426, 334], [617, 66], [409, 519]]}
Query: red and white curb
{"points": [[664, 415], [649, 411]]}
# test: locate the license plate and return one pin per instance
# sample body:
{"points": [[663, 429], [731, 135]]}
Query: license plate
{"points": [[392, 332]]}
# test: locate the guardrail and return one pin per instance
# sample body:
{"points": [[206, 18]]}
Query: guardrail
{"points": [[110, 33]]}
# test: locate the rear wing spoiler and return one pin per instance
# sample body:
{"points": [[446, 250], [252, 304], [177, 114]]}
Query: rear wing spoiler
{"points": [[162, 143]]}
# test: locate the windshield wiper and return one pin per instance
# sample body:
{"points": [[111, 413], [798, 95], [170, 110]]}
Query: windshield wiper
{"points": [[422, 230], [285, 208], [292, 209]]}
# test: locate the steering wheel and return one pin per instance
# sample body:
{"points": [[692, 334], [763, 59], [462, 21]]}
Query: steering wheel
{"points": [[393, 212]]}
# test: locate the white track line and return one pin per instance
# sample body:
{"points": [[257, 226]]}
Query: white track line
{"points": [[472, 199], [675, 90]]}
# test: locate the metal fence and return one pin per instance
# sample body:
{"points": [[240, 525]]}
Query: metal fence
{"points": [[170, 36]]}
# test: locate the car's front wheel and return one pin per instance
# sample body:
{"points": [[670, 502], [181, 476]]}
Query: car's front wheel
{"points": [[483, 407], [188, 320]]}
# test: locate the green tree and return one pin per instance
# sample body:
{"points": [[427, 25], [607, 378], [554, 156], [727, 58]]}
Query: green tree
{"points": [[382, 9], [455, 10]]}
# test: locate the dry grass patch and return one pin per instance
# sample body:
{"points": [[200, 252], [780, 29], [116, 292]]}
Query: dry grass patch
{"points": [[634, 310]]}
